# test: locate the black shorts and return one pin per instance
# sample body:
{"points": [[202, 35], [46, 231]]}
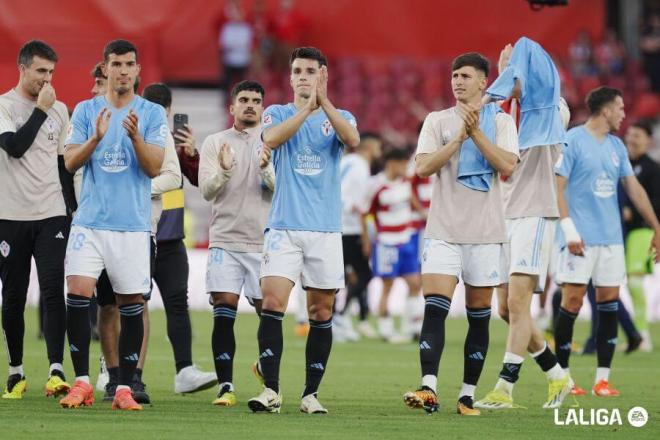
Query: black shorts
{"points": [[46, 241], [105, 295], [354, 259]]}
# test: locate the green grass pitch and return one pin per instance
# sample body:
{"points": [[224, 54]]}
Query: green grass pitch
{"points": [[362, 390]]}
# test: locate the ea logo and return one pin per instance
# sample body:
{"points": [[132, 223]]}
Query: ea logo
{"points": [[638, 417]]}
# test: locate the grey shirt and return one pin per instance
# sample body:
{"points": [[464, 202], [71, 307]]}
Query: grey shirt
{"points": [[531, 191], [31, 188], [241, 196], [458, 214]]}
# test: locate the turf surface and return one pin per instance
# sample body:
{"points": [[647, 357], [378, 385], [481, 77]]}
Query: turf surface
{"points": [[362, 390]]}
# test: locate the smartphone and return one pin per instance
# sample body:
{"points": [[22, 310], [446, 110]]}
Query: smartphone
{"points": [[180, 121]]}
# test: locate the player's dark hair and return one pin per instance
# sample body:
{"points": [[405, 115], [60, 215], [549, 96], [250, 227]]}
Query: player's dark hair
{"points": [[472, 59], [309, 53], [35, 48], [644, 124], [158, 93], [97, 71], [367, 135], [119, 47], [600, 97], [396, 154], [247, 85]]}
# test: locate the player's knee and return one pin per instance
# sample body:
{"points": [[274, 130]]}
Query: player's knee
{"points": [[572, 303], [227, 299], [273, 303], [107, 313], [80, 287], [516, 305], [123, 300], [320, 312]]}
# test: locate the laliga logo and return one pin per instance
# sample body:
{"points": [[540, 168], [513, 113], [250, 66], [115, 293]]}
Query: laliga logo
{"points": [[637, 417]]}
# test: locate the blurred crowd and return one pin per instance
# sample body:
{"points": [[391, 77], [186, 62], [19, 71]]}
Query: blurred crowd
{"points": [[392, 96]]}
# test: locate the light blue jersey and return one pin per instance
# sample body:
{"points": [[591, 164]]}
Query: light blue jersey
{"points": [[308, 191], [593, 170], [116, 193], [540, 120]]}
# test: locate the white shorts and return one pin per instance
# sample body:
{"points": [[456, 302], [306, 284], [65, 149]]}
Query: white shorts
{"points": [[480, 265], [530, 247], [316, 257], [231, 272], [604, 265], [124, 255]]}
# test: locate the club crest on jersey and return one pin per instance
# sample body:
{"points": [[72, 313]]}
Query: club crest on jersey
{"points": [[69, 132], [308, 162], [114, 159], [615, 159], [51, 127], [327, 128], [4, 249]]}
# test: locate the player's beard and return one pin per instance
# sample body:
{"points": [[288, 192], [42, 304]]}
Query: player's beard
{"points": [[248, 122], [34, 89], [122, 90]]}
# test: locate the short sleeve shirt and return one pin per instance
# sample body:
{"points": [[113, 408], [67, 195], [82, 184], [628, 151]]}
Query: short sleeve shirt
{"points": [[458, 214], [116, 192]]}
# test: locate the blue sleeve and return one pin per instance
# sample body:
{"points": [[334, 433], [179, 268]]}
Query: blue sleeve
{"points": [[516, 70], [78, 134], [349, 117], [156, 131], [625, 167], [564, 165], [272, 116], [351, 120]]}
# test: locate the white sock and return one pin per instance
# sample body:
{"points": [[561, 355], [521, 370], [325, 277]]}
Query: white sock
{"points": [[556, 373], [467, 390], [16, 370], [408, 315], [430, 381], [602, 374], [123, 387], [231, 385], [512, 358], [55, 367], [504, 385], [84, 379], [385, 326], [538, 353]]}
